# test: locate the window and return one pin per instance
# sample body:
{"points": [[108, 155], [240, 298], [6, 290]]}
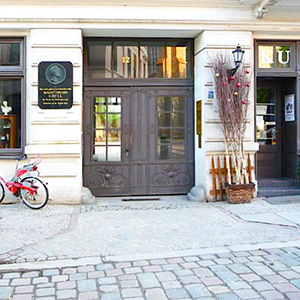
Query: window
{"points": [[132, 59], [171, 127], [266, 117], [279, 56], [107, 129], [12, 106]]}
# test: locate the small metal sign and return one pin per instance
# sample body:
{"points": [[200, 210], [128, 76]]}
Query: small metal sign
{"points": [[199, 121], [55, 85]]}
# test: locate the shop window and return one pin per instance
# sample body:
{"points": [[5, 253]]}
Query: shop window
{"points": [[11, 98]]}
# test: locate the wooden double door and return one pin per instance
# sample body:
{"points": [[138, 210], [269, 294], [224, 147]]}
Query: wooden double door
{"points": [[138, 141]]}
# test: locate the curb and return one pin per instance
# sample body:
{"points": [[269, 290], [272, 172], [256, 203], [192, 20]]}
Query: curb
{"points": [[95, 260]]}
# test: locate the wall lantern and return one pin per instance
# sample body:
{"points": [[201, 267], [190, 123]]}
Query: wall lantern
{"points": [[238, 55]]}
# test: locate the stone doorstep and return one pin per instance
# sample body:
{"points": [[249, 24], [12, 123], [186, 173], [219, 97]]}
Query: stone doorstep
{"points": [[84, 261]]}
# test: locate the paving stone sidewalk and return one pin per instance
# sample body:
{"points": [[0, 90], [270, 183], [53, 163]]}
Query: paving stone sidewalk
{"points": [[268, 274]]}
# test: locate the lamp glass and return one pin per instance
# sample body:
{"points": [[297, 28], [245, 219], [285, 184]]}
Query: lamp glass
{"points": [[238, 54]]}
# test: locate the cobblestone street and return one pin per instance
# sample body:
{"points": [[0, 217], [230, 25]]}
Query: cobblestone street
{"points": [[170, 249], [259, 274]]}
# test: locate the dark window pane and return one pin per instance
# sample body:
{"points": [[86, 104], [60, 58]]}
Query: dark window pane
{"points": [[164, 60], [178, 135], [114, 104], [164, 135], [114, 121], [100, 137], [100, 120], [283, 57], [178, 103], [9, 54], [164, 151], [125, 59], [99, 154], [100, 104], [164, 119], [163, 103], [176, 62], [265, 95], [177, 119], [265, 56], [266, 117], [114, 137], [154, 57], [178, 151], [99, 59], [114, 153], [10, 118]]}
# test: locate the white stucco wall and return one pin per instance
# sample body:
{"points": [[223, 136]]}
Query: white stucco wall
{"points": [[207, 45], [56, 134]]}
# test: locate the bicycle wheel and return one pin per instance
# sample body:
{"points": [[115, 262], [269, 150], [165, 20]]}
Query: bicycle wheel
{"points": [[2, 192], [40, 196]]}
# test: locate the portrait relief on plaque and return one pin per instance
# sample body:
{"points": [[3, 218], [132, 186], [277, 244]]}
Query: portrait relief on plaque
{"points": [[55, 85], [55, 73]]}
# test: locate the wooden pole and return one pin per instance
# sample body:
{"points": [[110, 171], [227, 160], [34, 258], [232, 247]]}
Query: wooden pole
{"points": [[249, 168], [214, 184], [231, 170], [220, 179], [225, 171]]}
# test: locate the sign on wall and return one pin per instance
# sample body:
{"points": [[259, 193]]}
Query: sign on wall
{"points": [[199, 121], [289, 108], [55, 85]]}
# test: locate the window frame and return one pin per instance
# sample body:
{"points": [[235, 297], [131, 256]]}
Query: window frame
{"points": [[16, 73], [276, 72], [189, 80]]}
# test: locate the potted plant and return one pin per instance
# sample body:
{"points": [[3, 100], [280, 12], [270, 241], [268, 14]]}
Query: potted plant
{"points": [[232, 93]]}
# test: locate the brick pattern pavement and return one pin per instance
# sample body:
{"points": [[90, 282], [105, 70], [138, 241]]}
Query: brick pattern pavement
{"points": [[272, 274]]}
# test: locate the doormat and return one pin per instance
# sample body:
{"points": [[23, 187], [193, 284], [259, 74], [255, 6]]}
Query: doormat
{"points": [[141, 199]]}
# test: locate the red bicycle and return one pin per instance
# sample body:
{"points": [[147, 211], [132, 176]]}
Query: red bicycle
{"points": [[30, 189]]}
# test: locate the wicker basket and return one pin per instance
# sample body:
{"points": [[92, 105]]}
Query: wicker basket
{"points": [[240, 193]]}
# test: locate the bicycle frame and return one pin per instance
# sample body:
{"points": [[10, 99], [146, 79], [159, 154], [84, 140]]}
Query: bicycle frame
{"points": [[14, 187]]}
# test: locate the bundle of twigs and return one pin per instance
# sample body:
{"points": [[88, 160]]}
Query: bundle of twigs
{"points": [[232, 92]]}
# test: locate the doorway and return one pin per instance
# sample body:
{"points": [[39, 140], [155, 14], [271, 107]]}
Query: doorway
{"points": [[138, 140], [276, 132]]}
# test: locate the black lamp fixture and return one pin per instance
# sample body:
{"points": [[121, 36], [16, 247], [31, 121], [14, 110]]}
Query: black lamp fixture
{"points": [[238, 55]]}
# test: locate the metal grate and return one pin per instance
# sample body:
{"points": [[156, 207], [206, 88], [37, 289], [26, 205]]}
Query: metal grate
{"points": [[141, 199]]}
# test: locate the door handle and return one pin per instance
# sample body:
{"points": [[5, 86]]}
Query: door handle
{"points": [[127, 149]]}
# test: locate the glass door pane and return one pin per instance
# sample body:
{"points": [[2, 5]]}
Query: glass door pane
{"points": [[107, 129], [171, 129], [266, 133]]}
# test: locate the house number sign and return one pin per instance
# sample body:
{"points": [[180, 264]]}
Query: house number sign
{"points": [[126, 60], [55, 85]]}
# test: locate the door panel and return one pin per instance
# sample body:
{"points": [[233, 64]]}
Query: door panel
{"points": [[171, 141], [107, 139], [153, 149], [268, 129], [289, 149]]}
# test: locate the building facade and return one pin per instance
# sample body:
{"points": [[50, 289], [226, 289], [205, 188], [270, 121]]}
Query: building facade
{"points": [[138, 71]]}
